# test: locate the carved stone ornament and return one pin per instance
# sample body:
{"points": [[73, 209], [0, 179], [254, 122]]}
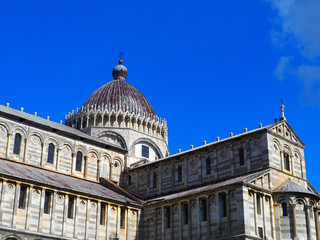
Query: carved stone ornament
{"points": [[159, 212], [176, 208], [93, 157], [82, 204], [36, 193], [142, 176], [250, 195], [275, 147], [113, 210], [193, 162], [233, 196], [133, 213], [224, 153], [93, 205], [60, 198], [66, 151], [193, 204], [299, 206], [213, 199], [3, 131], [256, 144], [10, 187], [166, 170], [35, 141]]}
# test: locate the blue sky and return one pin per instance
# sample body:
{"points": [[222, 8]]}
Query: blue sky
{"points": [[208, 67]]}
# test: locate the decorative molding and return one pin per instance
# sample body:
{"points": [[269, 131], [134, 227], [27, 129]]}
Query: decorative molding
{"points": [[10, 187], [36, 193], [60, 199]]}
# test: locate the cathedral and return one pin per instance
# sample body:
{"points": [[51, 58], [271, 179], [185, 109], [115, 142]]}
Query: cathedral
{"points": [[107, 173]]}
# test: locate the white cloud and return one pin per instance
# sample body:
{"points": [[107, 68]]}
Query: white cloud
{"points": [[282, 67], [300, 23]]}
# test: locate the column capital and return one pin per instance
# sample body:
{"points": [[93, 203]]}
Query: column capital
{"points": [[10, 134], [74, 154], [43, 144]]}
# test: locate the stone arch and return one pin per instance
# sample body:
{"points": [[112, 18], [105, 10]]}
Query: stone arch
{"points": [[39, 135], [277, 143], [116, 169], [5, 125], [35, 148], [81, 148], [148, 142], [4, 130], [113, 137], [21, 130], [298, 162], [11, 237], [52, 139], [66, 157], [105, 165], [92, 165], [286, 148]]}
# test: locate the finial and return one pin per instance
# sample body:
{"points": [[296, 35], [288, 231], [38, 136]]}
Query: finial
{"points": [[120, 72], [120, 56], [282, 110]]}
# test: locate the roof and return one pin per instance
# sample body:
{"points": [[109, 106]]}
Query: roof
{"points": [[210, 187], [206, 145], [22, 172], [50, 125], [291, 187], [120, 93], [260, 129]]}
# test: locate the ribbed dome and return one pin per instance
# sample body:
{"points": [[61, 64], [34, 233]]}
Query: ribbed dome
{"points": [[119, 93]]}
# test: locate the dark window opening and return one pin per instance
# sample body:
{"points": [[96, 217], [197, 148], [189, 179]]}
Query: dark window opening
{"points": [[122, 218], [223, 205], [22, 197], [241, 156], [79, 161], [70, 207], [185, 213], [51, 153], [103, 214], [208, 166], [47, 202], [179, 174], [284, 209], [17, 144], [155, 180], [129, 180], [260, 230], [167, 213], [258, 204], [203, 209], [145, 151], [286, 161]]}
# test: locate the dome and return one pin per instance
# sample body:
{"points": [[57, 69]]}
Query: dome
{"points": [[121, 95]]}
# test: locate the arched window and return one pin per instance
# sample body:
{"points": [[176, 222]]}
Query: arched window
{"points": [[284, 209], [51, 149], [286, 159], [241, 156], [17, 144], [79, 161]]}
